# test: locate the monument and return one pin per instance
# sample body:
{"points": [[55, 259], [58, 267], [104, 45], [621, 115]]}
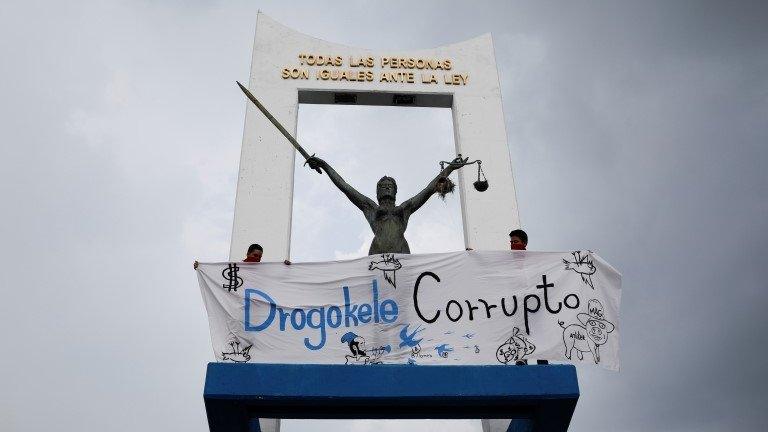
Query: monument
{"points": [[289, 68]]}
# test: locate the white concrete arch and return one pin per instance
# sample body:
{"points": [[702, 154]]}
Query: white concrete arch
{"points": [[468, 84]]}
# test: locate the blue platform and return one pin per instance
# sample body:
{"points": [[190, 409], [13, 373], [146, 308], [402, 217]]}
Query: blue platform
{"points": [[535, 397]]}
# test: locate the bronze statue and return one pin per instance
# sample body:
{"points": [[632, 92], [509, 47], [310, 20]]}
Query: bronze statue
{"points": [[387, 220]]}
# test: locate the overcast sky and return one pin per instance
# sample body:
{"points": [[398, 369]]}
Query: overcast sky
{"points": [[636, 129]]}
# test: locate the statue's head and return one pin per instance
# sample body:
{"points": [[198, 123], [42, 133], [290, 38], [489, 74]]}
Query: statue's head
{"points": [[386, 188]]}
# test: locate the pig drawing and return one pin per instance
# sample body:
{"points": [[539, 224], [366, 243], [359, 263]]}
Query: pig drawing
{"points": [[588, 336]]}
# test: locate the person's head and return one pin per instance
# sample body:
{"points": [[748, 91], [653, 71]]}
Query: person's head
{"points": [[386, 188], [254, 253], [518, 240]]}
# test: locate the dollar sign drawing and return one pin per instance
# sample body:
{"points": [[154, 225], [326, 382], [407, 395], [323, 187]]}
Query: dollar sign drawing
{"points": [[233, 280]]}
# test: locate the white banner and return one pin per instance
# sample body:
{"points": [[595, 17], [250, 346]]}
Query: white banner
{"points": [[459, 308]]}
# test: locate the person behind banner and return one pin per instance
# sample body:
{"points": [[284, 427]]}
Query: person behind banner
{"points": [[518, 240], [254, 254], [255, 251]]}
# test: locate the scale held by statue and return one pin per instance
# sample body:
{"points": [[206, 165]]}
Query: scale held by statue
{"points": [[387, 220]]}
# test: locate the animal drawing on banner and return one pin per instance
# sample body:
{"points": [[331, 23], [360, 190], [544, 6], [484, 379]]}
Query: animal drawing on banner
{"points": [[409, 339], [237, 355], [389, 265], [583, 266], [516, 348], [357, 348], [443, 350], [590, 335]]}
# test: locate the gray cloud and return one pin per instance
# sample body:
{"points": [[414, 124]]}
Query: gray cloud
{"points": [[636, 129]]}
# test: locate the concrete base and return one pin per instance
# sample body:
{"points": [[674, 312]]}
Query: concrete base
{"points": [[530, 398]]}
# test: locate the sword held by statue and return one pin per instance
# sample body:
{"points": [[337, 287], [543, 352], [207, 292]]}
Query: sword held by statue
{"points": [[443, 187], [277, 124]]}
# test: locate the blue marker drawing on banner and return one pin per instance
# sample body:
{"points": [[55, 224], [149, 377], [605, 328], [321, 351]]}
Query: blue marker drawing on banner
{"points": [[318, 318], [408, 339], [443, 350]]}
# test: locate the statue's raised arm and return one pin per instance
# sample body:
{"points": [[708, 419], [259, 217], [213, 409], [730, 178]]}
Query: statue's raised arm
{"points": [[414, 203], [365, 204]]}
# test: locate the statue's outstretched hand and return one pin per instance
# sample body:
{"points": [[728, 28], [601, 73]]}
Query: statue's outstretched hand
{"points": [[458, 162], [453, 165], [316, 163]]}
